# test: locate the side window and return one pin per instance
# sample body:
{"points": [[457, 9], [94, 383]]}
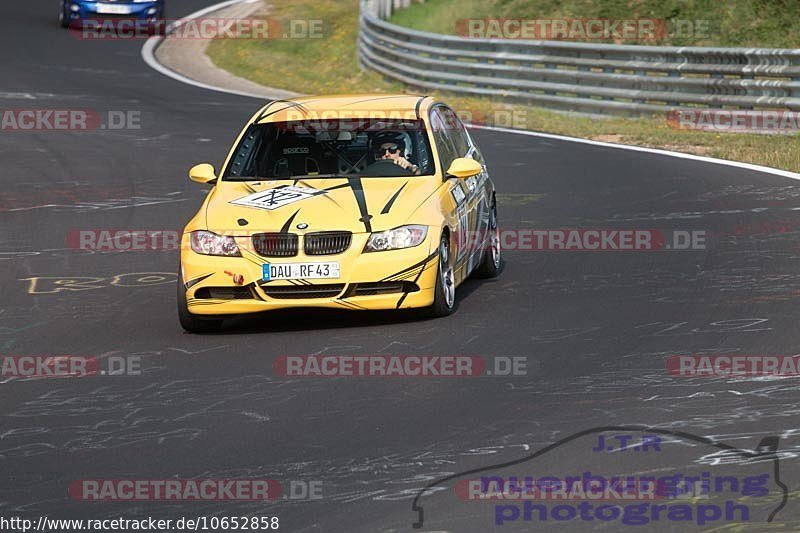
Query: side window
{"points": [[444, 142], [476, 154], [456, 131]]}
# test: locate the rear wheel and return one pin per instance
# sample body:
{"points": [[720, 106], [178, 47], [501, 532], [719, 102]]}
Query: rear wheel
{"points": [[193, 323], [63, 16], [444, 300], [492, 260]]}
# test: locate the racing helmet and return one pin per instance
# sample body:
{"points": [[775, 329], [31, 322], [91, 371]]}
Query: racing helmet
{"points": [[389, 137]]}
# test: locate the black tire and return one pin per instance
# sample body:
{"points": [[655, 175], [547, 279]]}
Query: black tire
{"points": [[492, 262], [160, 26], [444, 300], [193, 323], [63, 18]]}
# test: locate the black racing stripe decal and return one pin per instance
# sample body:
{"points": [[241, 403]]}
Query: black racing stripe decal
{"points": [[257, 260], [340, 186], [192, 282], [408, 275], [375, 99], [403, 297], [412, 267], [361, 200], [351, 305], [289, 104], [390, 203], [266, 108], [254, 291], [285, 227], [419, 104]]}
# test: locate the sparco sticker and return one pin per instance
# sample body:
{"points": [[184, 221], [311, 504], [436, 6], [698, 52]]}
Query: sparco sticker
{"points": [[277, 198]]}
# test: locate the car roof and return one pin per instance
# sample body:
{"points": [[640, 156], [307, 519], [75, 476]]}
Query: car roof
{"points": [[405, 106]]}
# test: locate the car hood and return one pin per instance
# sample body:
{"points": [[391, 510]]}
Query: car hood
{"points": [[358, 205]]}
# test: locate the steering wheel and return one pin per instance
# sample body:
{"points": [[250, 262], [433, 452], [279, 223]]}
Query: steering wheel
{"points": [[386, 167]]}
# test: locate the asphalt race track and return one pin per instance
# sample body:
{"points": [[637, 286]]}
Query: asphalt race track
{"points": [[597, 328]]}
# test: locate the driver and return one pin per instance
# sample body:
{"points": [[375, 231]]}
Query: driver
{"points": [[390, 146]]}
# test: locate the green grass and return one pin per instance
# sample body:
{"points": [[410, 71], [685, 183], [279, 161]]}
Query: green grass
{"points": [[321, 66], [755, 23], [329, 66]]}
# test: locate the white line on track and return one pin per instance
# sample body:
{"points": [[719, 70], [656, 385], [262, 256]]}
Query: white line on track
{"points": [[737, 164], [148, 54]]}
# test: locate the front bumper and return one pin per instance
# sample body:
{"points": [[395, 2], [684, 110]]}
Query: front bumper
{"points": [[143, 11], [396, 279]]}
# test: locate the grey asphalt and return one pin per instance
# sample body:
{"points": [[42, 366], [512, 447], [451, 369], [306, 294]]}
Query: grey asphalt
{"points": [[597, 328]]}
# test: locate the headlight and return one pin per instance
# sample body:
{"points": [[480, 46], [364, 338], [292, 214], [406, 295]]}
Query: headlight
{"points": [[394, 239], [207, 243]]}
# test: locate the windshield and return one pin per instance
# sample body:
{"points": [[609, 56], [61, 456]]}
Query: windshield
{"points": [[353, 147]]}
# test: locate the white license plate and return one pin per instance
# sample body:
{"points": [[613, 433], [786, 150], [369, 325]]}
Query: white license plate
{"points": [[106, 9], [288, 271]]}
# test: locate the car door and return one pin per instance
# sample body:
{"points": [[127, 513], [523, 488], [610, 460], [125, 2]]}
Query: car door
{"points": [[473, 213], [457, 188]]}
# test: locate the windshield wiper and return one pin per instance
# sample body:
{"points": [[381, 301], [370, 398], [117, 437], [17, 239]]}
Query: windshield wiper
{"points": [[295, 178], [321, 176]]}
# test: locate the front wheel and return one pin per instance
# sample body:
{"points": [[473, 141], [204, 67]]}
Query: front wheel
{"points": [[444, 300], [193, 323]]}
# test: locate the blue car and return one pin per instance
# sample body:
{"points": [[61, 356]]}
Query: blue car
{"points": [[74, 12]]}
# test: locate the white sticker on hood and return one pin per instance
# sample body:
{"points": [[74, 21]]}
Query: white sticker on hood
{"points": [[277, 198]]}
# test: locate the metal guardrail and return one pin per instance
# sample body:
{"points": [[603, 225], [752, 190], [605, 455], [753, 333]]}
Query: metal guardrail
{"points": [[583, 77]]}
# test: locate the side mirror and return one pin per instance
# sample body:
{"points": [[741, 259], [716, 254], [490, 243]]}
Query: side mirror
{"points": [[464, 167], [203, 173]]}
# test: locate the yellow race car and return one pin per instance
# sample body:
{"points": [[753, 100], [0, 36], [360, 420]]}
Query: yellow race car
{"points": [[349, 202]]}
